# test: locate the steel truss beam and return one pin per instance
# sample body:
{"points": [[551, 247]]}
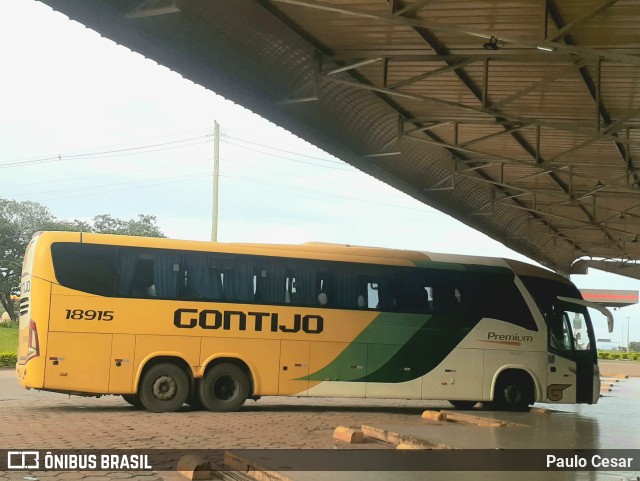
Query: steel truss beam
{"points": [[566, 53], [433, 73], [588, 15], [593, 87], [553, 47], [503, 117]]}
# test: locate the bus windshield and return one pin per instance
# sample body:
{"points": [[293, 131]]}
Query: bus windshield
{"points": [[569, 324]]}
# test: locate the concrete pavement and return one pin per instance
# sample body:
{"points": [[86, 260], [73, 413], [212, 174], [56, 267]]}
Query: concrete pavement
{"points": [[31, 419]]}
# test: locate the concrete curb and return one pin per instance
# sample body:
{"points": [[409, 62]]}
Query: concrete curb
{"points": [[348, 435], [397, 439]]}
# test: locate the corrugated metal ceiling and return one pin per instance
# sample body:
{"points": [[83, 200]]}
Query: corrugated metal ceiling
{"points": [[520, 118]]}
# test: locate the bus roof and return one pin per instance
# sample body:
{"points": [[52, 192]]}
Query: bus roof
{"points": [[310, 250]]}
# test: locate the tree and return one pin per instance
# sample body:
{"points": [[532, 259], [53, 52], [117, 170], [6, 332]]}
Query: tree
{"points": [[144, 226], [20, 220], [634, 346]]}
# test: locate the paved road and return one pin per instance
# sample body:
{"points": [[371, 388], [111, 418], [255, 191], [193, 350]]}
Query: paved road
{"points": [[40, 419], [630, 368], [31, 419]]}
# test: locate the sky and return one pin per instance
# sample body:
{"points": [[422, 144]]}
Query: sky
{"points": [[88, 127]]}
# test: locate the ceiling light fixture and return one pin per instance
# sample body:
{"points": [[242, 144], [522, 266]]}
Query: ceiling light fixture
{"points": [[545, 49], [492, 44]]}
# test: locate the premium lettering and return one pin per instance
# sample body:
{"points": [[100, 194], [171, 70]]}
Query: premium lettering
{"points": [[509, 337], [212, 319]]}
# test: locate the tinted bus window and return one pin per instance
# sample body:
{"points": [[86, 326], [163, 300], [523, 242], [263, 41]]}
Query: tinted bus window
{"points": [[495, 295], [85, 267], [148, 273]]}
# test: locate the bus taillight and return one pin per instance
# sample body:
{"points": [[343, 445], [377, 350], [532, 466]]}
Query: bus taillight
{"points": [[33, 346]]}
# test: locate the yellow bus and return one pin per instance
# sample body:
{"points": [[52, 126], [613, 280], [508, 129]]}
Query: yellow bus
{"points": [[166, 322]]}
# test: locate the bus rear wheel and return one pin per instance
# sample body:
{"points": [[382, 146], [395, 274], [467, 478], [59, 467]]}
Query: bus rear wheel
{"points": [[164, 388], [513, 393], [224, 388], [463, 404], [133, 399]]}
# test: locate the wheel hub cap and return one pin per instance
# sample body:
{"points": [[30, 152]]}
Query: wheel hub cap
{"points": [[164, 388]]}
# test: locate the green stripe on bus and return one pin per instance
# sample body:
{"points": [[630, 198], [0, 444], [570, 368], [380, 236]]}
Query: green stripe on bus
{"points": [[390, 330], [395, 348], [420, 355]]}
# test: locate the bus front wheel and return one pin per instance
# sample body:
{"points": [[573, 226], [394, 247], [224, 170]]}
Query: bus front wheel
{"points": [[514, 392], [224, 388], [164, 388]]}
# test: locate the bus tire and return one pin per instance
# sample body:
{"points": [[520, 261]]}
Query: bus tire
{"points": [[514, 392], [224, 388], [463, 404], [193, 400], [164, 388], [133, 399]]}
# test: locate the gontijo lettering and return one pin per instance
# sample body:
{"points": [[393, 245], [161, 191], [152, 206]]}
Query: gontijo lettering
{"points": [[186, 318]]}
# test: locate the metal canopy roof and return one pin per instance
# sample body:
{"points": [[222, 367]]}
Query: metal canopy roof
{"points": [[520, 118]]}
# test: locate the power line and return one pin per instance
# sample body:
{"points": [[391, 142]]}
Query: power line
{"points": [[172, 180], [132, 185], [289, 158], [323, 159], [124, 172], [203, 132], [326, 194], [111, 153]]}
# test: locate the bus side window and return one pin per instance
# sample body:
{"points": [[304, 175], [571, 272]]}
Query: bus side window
{"points": [[142, 283], [345, 288], [373, 297], [448, 306], [148, 273], [446, 299], [376, 293], [414, 294], [85, 267], [302, 283], [202, 281], [324, 289], [291, 291], [271, 282], [238, 282]]}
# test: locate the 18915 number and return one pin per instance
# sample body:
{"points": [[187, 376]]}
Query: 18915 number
{"points": [[89, 315]]}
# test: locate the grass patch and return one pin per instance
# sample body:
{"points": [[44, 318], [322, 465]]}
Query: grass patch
{"points": [[9, 339], [8, 346], [619, 355]]}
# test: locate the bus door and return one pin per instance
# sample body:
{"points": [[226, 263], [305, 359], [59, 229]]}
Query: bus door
{"points": [[585, 355], [572, 362]]}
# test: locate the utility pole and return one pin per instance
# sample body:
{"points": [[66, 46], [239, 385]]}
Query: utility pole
{"points": [[216, 175]]}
